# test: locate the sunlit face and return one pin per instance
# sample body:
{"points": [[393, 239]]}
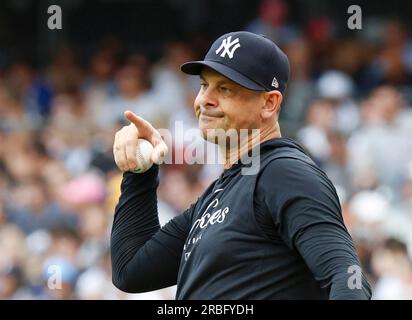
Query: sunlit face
{"points": [[223, 104]]}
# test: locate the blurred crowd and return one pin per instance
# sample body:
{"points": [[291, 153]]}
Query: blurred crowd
{"points": [[348, 103]]}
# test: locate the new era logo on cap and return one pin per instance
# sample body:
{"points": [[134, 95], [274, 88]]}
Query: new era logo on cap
{"points": [[246, 58], [275, 82], [229, 47]]}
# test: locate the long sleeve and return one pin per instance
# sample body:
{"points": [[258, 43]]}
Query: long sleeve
{"points": [[144, 256], [327, 249], [307, 215]]}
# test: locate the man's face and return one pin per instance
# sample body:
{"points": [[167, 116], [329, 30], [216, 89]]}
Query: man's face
{"points": [[223, 104]]}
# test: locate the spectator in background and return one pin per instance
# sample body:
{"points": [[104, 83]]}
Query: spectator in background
{"points": [[392, 64], [392, 265], [133, 92], [301, 88], [181, 185], [31, 90], [336, 167], [382, 147], [175, 91], [64, 74], [59, 276], [338, 88], [13, 116], [99, 86], [12, 283], [406, 193], [271, 21], [320, 120], [33, 209]]}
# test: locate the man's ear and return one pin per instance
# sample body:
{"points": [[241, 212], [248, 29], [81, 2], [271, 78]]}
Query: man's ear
{"points": [[272, 102]]}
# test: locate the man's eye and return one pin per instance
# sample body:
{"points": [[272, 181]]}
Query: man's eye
{"points": [[224, 89], [203, 85]]}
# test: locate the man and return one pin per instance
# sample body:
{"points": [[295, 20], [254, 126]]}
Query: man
{"points": [[277, 234]]}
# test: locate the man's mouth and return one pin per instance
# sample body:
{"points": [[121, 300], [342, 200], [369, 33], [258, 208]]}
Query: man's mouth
{"points": [[207, 117], [207, 113], [210, 115]]}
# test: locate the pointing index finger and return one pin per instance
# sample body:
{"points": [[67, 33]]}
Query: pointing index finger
{"points": [[148, 132], [144, 128]]}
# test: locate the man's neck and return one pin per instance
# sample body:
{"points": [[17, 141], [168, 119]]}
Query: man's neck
{"points": [[232, 155]]}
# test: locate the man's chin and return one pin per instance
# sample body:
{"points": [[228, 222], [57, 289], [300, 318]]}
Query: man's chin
{"points": [[218, 135], [210, 135]]}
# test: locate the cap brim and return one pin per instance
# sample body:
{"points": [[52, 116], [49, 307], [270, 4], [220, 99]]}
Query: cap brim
{"points": [[195, 67]]}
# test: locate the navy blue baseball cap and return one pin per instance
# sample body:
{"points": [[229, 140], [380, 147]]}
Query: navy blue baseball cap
{"points": [[251, 60]]}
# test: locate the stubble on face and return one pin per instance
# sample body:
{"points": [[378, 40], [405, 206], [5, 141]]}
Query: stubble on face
{"points": [[230, 110]]}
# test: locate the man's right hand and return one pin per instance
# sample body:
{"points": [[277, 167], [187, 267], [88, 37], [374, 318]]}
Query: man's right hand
{"points": [[125, 142]]}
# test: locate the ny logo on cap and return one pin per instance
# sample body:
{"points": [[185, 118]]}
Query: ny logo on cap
{"points": [[229, 47]]}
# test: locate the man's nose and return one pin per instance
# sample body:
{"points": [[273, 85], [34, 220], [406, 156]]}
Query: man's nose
{"points": [[208, 98]]}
